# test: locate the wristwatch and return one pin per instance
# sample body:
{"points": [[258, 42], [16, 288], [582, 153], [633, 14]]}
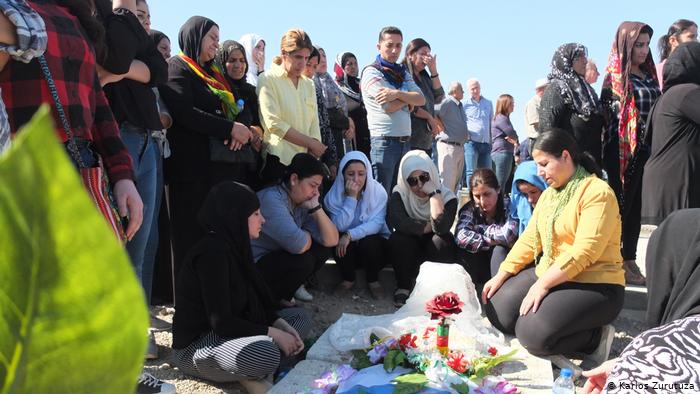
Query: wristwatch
{"points": [[437, 191]]}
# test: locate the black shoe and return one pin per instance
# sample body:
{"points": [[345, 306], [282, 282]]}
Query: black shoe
{"points": [[400, 297], [149, 384]]}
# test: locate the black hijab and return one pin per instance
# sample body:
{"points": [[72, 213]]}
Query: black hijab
{"points": [[157, 36], [222, 57], [224, 215], [191, 35], [683, 66], [573, 88], [673, 268]]}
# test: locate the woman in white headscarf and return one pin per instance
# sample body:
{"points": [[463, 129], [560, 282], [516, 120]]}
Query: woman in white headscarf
{"points": [[356, 204], [421, 212], [255, 56]]}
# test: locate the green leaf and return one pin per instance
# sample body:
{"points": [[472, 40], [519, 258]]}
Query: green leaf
{"points": [[72, 314], [393, 358], [373, 338], [413, 378], [410, 383], [360, 360], [461, 388]]}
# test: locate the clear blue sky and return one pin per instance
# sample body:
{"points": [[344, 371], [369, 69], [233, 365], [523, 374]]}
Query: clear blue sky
{"points": [[507, 45]]}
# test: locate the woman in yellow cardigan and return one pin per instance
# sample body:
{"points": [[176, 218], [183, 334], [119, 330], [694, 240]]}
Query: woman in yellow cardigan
{"points": [[562, 283]]}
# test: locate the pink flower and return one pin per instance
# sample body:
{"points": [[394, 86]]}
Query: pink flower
{"points": [[444, 305]]}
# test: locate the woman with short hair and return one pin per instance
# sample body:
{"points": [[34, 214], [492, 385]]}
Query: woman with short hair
{"points": [[298, 236], [288, 110], [504, 139]]}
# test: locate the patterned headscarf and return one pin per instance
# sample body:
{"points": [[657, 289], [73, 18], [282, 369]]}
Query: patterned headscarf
{"points": [[618, 81], [572, 87], [346, 82]]}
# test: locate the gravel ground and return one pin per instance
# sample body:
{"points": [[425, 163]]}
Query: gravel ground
{"points": [[326, 309]]}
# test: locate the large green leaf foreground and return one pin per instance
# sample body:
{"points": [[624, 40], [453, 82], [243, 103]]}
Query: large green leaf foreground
{"points": [[72, 314]]}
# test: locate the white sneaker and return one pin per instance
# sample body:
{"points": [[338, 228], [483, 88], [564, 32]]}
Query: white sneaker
{"points": [[303, 295], [149, 384], [601, 353]]}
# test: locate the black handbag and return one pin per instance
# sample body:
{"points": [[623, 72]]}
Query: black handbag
{"points": [[220, 153]]}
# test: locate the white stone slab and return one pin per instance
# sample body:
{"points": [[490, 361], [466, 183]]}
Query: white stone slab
{"points": [[301, 377]]}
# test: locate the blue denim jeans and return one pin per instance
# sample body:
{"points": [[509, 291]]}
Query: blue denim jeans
{"points": [[503, 163], [385, 155], [149, 257], [144, 154], [476, 155]]}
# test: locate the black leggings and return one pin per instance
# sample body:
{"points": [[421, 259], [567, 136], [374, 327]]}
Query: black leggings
{"points": [[568, 320], [483, 265], [408, 252], [367, 253], [284, 272]]}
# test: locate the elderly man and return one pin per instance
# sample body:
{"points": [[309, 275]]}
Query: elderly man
{"points": [[532, 121], [592, 73], [389, 93], [479, 112], [450, 142]]}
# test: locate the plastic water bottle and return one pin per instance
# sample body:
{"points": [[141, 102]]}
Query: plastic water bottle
{"points": [[240, 103], [564, 383]]}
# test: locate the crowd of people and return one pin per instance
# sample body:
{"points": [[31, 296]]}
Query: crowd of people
{"points": [[254, 176]]}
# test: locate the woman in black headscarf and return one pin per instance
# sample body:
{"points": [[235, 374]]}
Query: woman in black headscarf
{"points": [[346, 72], [203, 109], [674, 124], [570, 103], [668, 352], [226, 327]]}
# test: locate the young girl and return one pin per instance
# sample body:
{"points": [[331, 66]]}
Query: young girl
{"points": [[357, 206], [485, 231], [527, 189]]}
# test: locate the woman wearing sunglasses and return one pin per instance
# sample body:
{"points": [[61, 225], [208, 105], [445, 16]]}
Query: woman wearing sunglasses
{"points": [[421, 212]]}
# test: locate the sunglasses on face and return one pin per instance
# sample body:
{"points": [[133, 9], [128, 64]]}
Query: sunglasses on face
{"points": [[413, 181]]}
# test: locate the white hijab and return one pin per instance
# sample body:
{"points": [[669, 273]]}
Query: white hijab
{"points": [[417, 207], [249, 41], [373, 200]]}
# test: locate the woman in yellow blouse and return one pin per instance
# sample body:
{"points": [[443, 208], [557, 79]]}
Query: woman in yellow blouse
{"points": [[562, 283], [288, 110]]}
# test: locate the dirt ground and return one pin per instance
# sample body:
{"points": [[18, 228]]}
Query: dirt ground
{"points": [[326, 309]]}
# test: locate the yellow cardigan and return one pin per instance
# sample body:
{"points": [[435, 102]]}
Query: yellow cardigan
{"points": [[282, 105], [586, 237]]}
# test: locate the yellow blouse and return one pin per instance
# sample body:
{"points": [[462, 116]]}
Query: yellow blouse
{"points": [[585, 240], [282, 105]]}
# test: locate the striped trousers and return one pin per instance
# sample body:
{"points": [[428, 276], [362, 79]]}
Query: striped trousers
{"points": [[227, 360]]}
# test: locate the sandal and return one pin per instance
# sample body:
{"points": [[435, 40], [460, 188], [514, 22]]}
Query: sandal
{"points": [[400, 297]]}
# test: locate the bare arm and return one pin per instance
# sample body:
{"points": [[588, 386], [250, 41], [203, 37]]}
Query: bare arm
{"points": [[394, 106], [329, 233]]}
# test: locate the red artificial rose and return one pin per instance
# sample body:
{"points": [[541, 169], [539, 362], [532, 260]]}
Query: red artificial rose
{"points": [[493, 351], [407, 340], [457, 361], [427, 332], [444, 305]]}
